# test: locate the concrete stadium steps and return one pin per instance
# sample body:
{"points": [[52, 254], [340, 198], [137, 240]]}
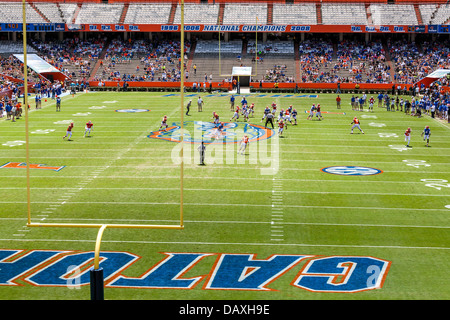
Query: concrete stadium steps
{"points": [[209, 64]]}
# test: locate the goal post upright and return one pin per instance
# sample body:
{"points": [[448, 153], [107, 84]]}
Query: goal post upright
{"points": [[182, 75], [96, 271], [25, 96], [109, 226]]}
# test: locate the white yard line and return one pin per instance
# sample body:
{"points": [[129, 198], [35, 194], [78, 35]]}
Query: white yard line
{"points": [[225, 205], [276, 234], [287, 145], [275, 199], [229, 244], [232, 167], [148, 221], [217, 177], [158, 159]]}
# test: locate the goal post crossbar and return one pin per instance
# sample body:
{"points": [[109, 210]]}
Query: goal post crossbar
{"points": [[82, 225]]}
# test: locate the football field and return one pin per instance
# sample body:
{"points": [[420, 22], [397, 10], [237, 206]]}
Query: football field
{"points": [[314, 213]]}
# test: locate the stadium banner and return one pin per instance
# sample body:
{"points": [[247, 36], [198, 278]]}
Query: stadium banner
{"points": [[57, 27], [33, 27], [443, 29], [433, 28], [250, 28]]}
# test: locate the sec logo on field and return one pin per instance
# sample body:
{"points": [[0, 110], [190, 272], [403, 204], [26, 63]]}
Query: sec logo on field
{"points": [[351, 170]]}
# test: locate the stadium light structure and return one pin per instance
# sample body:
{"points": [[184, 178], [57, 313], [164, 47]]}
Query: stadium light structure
{"points": [[97, 272]]}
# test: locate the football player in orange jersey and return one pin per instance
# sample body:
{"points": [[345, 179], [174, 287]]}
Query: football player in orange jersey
{"points": [[355, 124], [164, 123], [215, 118], [236, 114], [287, 116], [69, 132], [88, 128], [318, 112], [243, 144], [408, 136], [281, 126]]}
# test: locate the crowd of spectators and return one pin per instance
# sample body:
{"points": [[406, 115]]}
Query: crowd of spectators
{"points": [[278, 74], [321, 61], [73, 56], [315, 57], [417, 101], [352, 61], [411, 62], [144, 60]]}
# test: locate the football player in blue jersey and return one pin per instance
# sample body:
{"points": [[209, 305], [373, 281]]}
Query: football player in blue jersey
{"points": [[266, 112], [426, 135]]}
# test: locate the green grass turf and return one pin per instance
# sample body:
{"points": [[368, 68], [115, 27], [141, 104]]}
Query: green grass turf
{"points": [[119, 175]]}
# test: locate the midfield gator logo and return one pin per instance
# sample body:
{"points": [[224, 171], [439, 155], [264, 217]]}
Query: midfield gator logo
{"points": [[232, 132], [178, 271]]}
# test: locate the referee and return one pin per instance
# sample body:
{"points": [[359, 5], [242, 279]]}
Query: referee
{"points": [[201, 148], [269, 118], [188, 107]]}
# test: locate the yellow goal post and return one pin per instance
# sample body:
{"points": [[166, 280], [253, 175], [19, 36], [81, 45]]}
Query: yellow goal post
{"points": [[101, 226]]}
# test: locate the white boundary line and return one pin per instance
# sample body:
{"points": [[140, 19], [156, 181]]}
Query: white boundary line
{"points": [[286, 151], [283, 160], [223, 204], [231, 243], [195, 166], [248, 222], [237, 190], [254, 222]]}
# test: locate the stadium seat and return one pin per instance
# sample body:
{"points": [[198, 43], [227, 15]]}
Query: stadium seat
{"points": [[148, 13], [198, 13], [99, 13]]}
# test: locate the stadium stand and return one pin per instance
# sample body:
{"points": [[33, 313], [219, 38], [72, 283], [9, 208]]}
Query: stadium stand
{"points": [[11, 47], [441, 15], [233, 47], [67, 11], [271, 47], [245, 14], [50, 12], [198, 13], [344, 14], [12, 13], [148, 13], [99, 13], [234, 12], [293, 13], [393, 14], [298, 57]]}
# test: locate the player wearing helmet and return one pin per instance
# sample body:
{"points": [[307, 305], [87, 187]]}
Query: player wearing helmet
{"points": [[426, 135], [356, 124], [164, 123], [243, 144], [88, 128], [408, 136], [69, 132]]}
